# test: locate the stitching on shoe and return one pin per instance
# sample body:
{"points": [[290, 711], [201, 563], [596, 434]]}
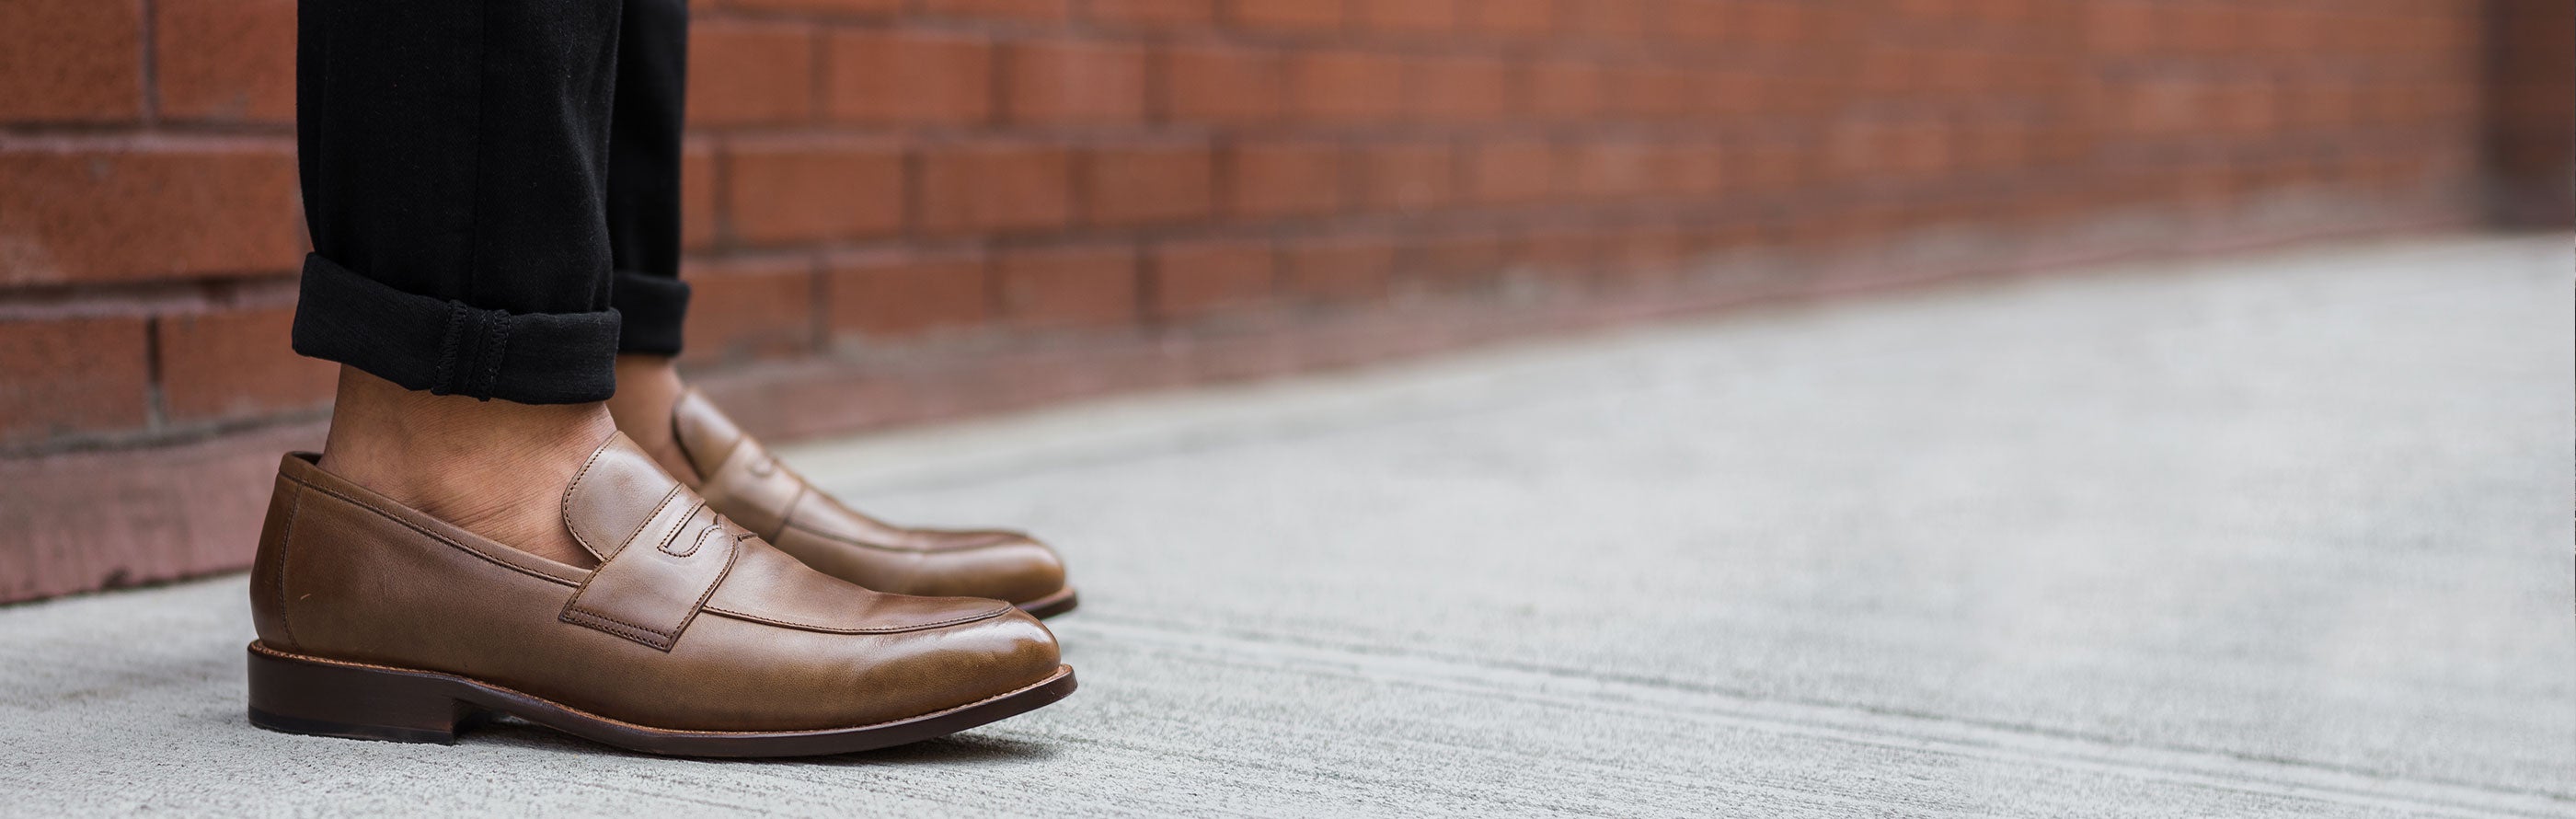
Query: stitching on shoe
{"points": [[877, 546], [613, 627], [730, 556], [574, 613], [681, 442], [434, 535], [286, 549], [567, 501], [574, 609], [674, 537], [738, 615], [628, 541], [695, 543], [775, 621], [787, 516], [737, 470]]}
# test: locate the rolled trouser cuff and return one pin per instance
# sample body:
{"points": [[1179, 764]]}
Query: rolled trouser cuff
{"points": [[653, 308], [449, 348]]}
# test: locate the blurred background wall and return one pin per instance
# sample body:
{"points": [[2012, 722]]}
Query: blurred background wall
{"points": [[911, 209], [2531, 86]]}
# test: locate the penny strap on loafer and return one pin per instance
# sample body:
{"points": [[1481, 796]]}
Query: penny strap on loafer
{"points": [[753, 489], [653, 580], [740, 478], [657, 582], [752, 481]]}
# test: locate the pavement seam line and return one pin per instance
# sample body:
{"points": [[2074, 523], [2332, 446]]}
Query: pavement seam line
{"points": [[2281, 778]]}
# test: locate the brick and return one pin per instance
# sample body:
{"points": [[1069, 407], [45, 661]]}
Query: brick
{"points": [[1699, 21], [1415, 175], [1455, 260], [1606, 169], [1564, 90], [72, 375], [905, 295], [797, 190], [825, 7], [1202, 278], [94, 215], [1510, 18], [1148, 184], [1617, 20], [750, 308], [225, 60], [1643, 255], [1407, 16], [1345, 86], [1070, 83], [71, 60], [1690, 168], [1350, 268], [1887, 72], [1508, 171], [1222, 84], [1152, 13], [1564, 254], [750, 73], [1287, 15], [697, 196], [1029, 11], [1997, 146], [2166, 106], [1722, 94], [1459, 89], [909, 77], [1770, 22], [996, 187], [1086, 286], [1860, 150], [1653, 92], [1282, 178], [237, 364], [123, 516]]}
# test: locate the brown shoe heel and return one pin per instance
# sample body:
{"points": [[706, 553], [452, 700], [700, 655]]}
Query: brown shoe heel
{"points": [[351, 701]]}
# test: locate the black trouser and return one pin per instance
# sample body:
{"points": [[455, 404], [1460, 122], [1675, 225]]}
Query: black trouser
{"points": [[493, 190]]}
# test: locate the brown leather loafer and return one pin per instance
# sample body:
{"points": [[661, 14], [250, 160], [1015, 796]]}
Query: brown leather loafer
{"points": [[691, 637], [743, 482]]}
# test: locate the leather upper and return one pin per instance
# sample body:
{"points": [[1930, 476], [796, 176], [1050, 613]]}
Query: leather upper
{"points": [[744, 482], [689, 622]]}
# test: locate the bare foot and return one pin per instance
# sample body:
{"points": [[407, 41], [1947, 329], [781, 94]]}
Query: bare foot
{"points": [[495, 468], [648, 386]]}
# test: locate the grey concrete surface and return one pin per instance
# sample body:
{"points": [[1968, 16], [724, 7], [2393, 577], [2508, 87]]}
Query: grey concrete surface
{"points": [[2285, 534]]}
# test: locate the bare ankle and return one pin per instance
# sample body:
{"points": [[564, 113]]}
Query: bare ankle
{"points": [[491, 467], [648, 387]]}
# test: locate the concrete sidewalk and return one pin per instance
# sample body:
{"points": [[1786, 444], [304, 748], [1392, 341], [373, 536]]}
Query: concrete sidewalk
{"points": [[2286, 534]]}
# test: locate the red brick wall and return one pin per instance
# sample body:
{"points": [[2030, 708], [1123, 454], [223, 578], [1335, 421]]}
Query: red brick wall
{"points": [[901, 209], [2531, 81]]}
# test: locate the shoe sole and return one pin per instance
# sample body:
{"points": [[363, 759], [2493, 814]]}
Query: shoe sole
{"points": [[1051, 605], [297, 694]]}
